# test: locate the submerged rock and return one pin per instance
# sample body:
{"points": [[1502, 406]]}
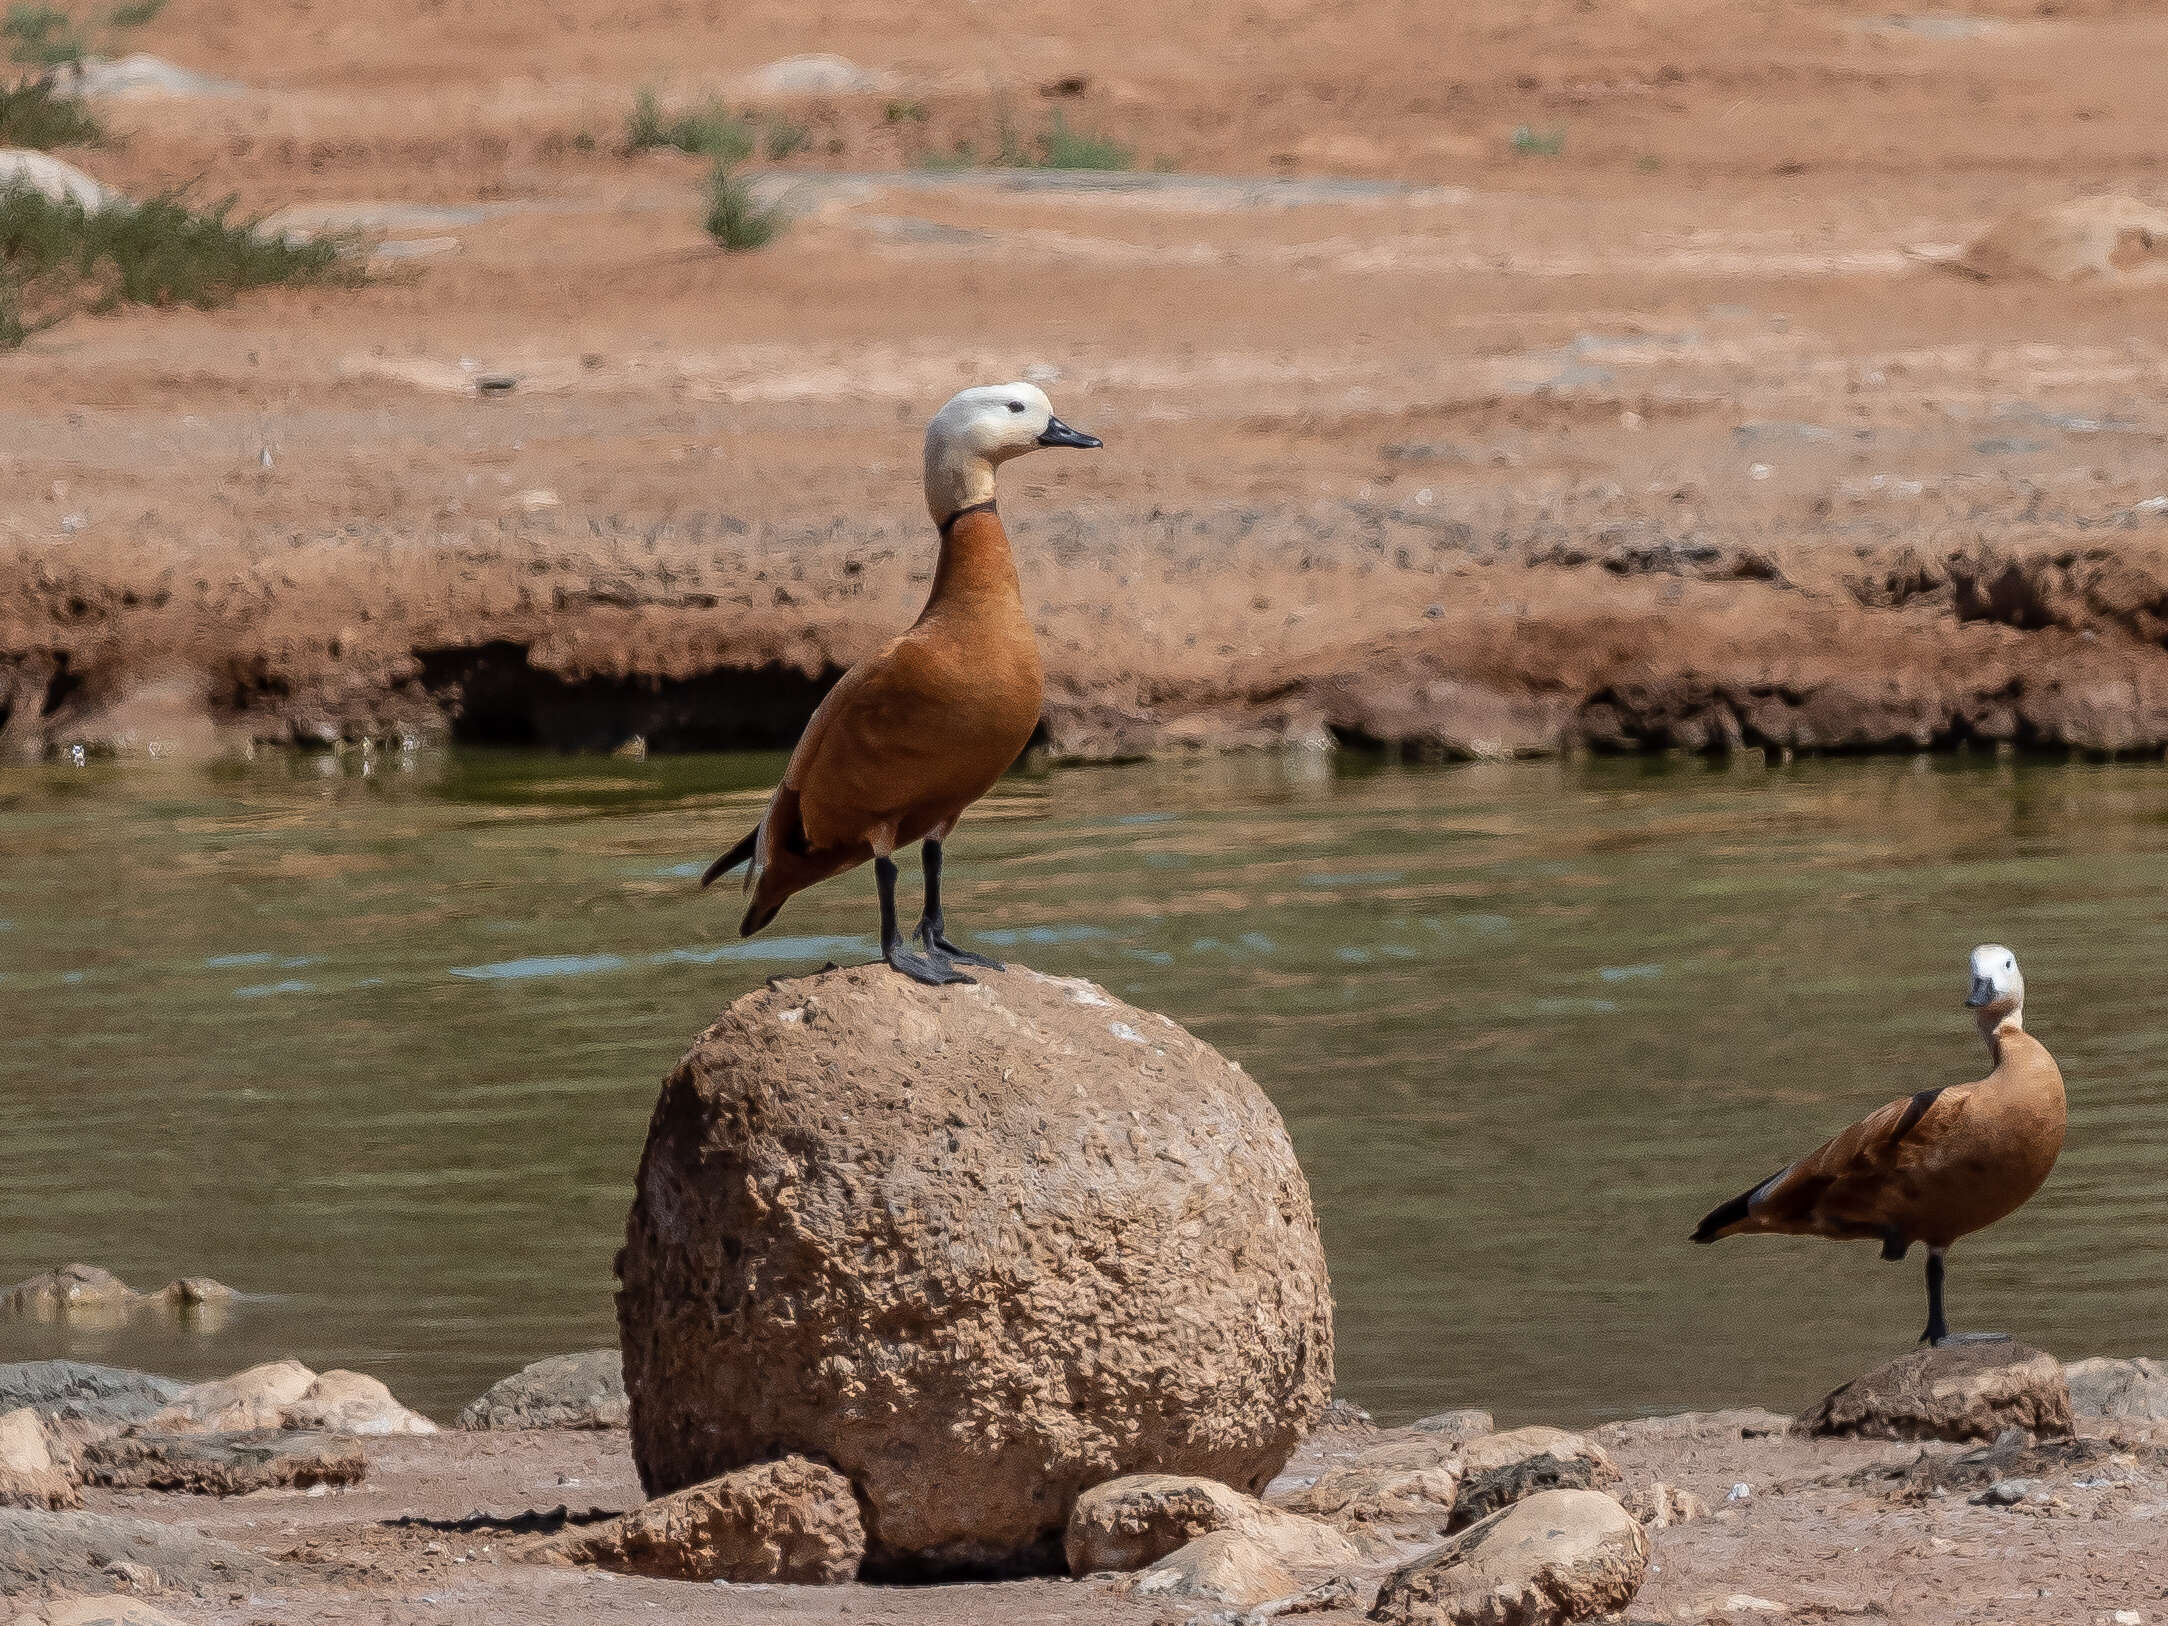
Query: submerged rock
{"points": [[86, 1291], [227, 1464], [30, 1474], [1501, 1469], [562, 1391], [791, 1521], [980, 1248], [1957, 1392], [1129, 1523], [1561, 1555], [2136, 1388]]}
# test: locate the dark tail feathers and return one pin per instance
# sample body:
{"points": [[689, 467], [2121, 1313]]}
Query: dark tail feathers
{"points": [[1721, 1218], [730, 860]]}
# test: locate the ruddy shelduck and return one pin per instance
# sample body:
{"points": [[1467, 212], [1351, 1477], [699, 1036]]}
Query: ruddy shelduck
{"points": [[917, 732], [1935, 1166]]}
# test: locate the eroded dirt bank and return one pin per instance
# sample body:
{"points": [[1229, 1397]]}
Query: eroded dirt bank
{"points": [[1588, 377]]}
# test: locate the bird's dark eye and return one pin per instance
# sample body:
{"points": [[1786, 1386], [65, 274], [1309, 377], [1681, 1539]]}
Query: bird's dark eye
{"points": [[1016, 406]]}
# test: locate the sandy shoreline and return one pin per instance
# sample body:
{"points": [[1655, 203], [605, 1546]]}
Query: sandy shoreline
{"points": [[1824, 1530]]}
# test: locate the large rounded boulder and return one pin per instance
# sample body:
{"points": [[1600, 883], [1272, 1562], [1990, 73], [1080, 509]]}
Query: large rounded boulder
{"points": [[980, 1248]]}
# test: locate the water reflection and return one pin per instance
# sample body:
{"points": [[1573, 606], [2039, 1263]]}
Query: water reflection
{"points": [[383, 1046]]}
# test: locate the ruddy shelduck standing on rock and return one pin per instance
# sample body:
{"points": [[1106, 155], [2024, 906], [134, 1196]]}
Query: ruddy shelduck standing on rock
{"points": [[1935, 1166], [916, 733]]}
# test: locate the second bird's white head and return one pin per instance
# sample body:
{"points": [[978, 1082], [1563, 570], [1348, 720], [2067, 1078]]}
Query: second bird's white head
{"points": [[1998, 987], [979, 430]]}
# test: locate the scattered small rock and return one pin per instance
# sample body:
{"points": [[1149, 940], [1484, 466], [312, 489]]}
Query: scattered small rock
{"points": [[562, 1391], [2010, 1492], [30, 1475], [1957, 1392], [141, 74], [2109, 239], [222, 1464], [787, 1522], [1560, 1555], [56, 1553], [1458, 1426], [1500, 1469], [116, 1609], [82, 1399], [1132, 1522], [816, 74], [1658, 1506], [2135, 1388], [352, 1403], [1225, 1566], [254, 1399], [1399, 1488], [51, 179]]}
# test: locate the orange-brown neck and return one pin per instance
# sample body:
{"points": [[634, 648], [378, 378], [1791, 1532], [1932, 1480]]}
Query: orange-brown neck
{"points": [[975, 562]]}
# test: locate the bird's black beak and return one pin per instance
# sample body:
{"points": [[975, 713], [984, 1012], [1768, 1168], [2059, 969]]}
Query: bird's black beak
{"points": [[1983, 993], [1058, 433]]}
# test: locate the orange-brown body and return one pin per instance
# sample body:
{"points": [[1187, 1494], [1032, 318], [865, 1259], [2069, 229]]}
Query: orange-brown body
{"points": [[914, 734], [1930, 1168]]}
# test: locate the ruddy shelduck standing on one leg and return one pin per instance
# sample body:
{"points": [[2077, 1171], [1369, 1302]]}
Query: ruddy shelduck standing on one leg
{"points": [[1935, 1166], [913, 735]]}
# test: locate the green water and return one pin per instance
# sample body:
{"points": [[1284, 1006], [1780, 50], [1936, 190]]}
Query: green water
{"points": [[377, 1041]]}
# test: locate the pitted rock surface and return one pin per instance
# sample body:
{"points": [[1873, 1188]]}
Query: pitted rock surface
{"points": [[980, 1248]]}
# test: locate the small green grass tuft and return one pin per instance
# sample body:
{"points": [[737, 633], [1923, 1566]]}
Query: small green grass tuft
{"points": [[1063, 148], [34, 114], [135, 15], [710, 130], [905, 113], [59, 258], [41, 36], [734, 219], [786, 139], [1529, 143]]}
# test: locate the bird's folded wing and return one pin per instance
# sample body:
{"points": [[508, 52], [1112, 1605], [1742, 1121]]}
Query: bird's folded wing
{"points": [[1851, 1180], [877, 748]]}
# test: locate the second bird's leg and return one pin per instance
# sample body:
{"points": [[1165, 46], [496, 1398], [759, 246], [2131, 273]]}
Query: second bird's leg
{"points": [[932, 931], [918, 967], [1938, 1327]]}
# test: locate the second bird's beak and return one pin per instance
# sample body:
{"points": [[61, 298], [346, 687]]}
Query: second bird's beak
{"points": [[1058, 433], [1983, 993]]}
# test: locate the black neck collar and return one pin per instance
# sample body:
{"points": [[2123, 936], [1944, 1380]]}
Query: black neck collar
{"points": [[949, 524]]}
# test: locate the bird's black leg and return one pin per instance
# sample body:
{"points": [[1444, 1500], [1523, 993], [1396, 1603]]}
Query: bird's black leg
{"points": [[918, 967], [932, 931], [1938, 1328], [1938, 1332]]}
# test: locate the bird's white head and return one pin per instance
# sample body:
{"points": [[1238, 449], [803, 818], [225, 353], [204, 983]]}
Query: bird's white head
{"points": [[1998, 987], [979, 430]]}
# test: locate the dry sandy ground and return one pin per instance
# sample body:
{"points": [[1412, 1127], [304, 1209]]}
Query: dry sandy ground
{"points": [[1825, 1530], [1678, 435]]}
